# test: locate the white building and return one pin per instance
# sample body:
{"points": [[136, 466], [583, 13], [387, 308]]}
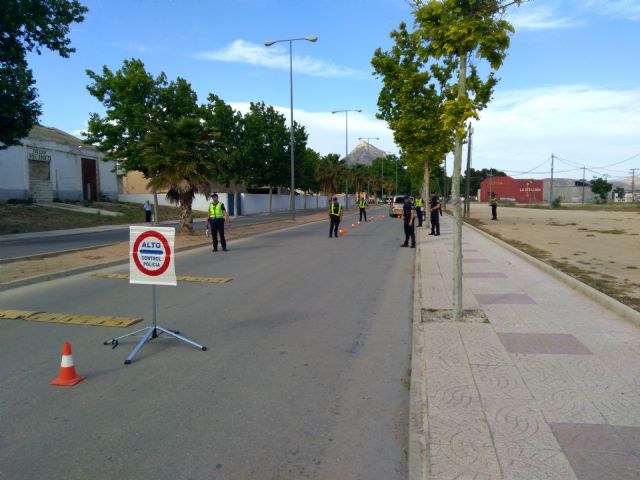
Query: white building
{"points": [[51, 164]]}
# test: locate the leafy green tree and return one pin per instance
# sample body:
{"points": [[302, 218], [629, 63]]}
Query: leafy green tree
{"points": [[264, 145], [619, 192], [411, 101], [331, 173], [452, 32], [181, 153], [477, 176], [306, 172], [601, 187], [131, 97], [25, 26]]}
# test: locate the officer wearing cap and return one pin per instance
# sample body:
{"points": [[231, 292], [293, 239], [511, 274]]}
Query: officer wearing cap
{"points": [[436, 210], [362, 203], [409, 216], [217, 216], [335, 215], [419, 211]]}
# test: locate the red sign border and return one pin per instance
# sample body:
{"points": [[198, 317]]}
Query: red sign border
{"points": [[167, 249]]}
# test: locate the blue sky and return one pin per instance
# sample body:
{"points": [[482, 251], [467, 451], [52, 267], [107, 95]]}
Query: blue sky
{"points": [[570, 85]]}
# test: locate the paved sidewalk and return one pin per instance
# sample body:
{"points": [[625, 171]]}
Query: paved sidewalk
{"points": [[547, 387]]}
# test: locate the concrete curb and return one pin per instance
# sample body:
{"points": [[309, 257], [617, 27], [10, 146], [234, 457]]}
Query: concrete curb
{"points": [[418, 462], [606, 301]]}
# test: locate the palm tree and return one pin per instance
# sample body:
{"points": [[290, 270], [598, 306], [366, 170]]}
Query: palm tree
{"points": [[331, 171], [181, 153]]}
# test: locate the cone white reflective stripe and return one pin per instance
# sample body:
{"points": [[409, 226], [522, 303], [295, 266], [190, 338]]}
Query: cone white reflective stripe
{"points": [[67, 361]]}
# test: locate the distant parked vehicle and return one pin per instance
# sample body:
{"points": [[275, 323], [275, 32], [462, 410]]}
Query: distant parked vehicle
{"points": [[395, 207]]}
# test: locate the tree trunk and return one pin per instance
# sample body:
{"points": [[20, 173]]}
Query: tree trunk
{"points": [[236, 202], [317, 201], [270, 198], [155, 208], [305, 199], [455, 194], [186, 217], [426, 191]]}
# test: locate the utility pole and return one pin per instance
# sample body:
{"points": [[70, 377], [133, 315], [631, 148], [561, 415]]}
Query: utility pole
{"points": [[551, 183], [490, 185], [633, 184], [583, 182], [467, 212]]}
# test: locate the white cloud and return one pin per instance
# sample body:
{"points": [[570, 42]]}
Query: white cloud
{"points": [[536, 17], [276, 56], [327, 131], [624, 9], [522, 128]]}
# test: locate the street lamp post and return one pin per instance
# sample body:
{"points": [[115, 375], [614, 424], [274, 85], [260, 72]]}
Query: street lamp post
{"points": [[268, 43], [368, 144], [346, 144]]}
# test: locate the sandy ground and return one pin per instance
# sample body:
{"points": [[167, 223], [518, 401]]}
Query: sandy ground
{"points": [[599, 247], [19, 270]]}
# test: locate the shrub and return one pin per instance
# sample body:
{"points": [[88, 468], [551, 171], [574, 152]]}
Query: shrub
{"points": [[20, 201], [556, 202]]}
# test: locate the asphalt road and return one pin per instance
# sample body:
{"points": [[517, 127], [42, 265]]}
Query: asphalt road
{"points": [[12, 246], [304, 376]]}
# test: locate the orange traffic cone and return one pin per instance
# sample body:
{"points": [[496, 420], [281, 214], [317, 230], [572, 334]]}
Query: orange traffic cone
{"points": [[68, 376]]}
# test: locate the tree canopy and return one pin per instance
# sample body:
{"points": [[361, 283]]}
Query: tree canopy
{"points": [[26, 26]]}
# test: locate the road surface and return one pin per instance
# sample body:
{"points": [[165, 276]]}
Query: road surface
{"points": [[304, 377], [16, 246]]}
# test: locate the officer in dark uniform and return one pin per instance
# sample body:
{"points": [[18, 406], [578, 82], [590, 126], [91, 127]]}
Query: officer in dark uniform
{"points": [[494, 206], [409, 216], [335, 215], [217, 216], [419, 211], [436, 210], [363, 209]]}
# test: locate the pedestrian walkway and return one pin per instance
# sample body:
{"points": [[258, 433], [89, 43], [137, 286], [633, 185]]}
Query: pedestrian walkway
{"points": [[545, 386]]}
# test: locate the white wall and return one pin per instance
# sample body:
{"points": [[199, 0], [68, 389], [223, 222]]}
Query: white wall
{"points": [[259, 203], [14, 176], [200, 203]]}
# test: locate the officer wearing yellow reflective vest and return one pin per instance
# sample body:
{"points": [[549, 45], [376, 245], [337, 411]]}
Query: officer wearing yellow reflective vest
{"points": [[216, 218], [335, 215], [363, 209], [419, 211]]}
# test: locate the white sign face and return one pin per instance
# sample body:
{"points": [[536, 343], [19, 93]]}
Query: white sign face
{"points": [[151, 256]]}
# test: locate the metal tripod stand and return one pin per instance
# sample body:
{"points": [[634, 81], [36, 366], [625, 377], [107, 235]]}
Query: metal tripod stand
{"points": [[153, 331]]}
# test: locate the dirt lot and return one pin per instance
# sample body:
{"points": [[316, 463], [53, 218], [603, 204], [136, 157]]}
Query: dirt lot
{"points": [[57, 263], [601, 248]]}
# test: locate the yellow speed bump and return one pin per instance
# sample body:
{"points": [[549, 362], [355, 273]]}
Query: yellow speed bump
{"points": [[182, 278], [75, 319]]}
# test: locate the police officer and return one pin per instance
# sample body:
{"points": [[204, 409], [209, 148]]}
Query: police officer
{"points": [[435, 210], [419, 212], [409, 216], [494, 206], [363, 209], [217, 216], [335, 215]]}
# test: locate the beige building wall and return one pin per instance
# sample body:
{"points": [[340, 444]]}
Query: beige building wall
{"points": [[134, 183]]}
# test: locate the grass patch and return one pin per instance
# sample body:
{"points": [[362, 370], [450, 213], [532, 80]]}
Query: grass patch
{"points": [[34, 218]]}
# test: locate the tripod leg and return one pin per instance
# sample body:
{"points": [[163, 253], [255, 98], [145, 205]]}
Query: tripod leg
{"points": [[144, 340], [180, 337]]}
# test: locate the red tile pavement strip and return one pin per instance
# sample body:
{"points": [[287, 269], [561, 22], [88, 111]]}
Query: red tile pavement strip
{"points": [[599, 452], [548, 343], [504, 299], [484, 275]]}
